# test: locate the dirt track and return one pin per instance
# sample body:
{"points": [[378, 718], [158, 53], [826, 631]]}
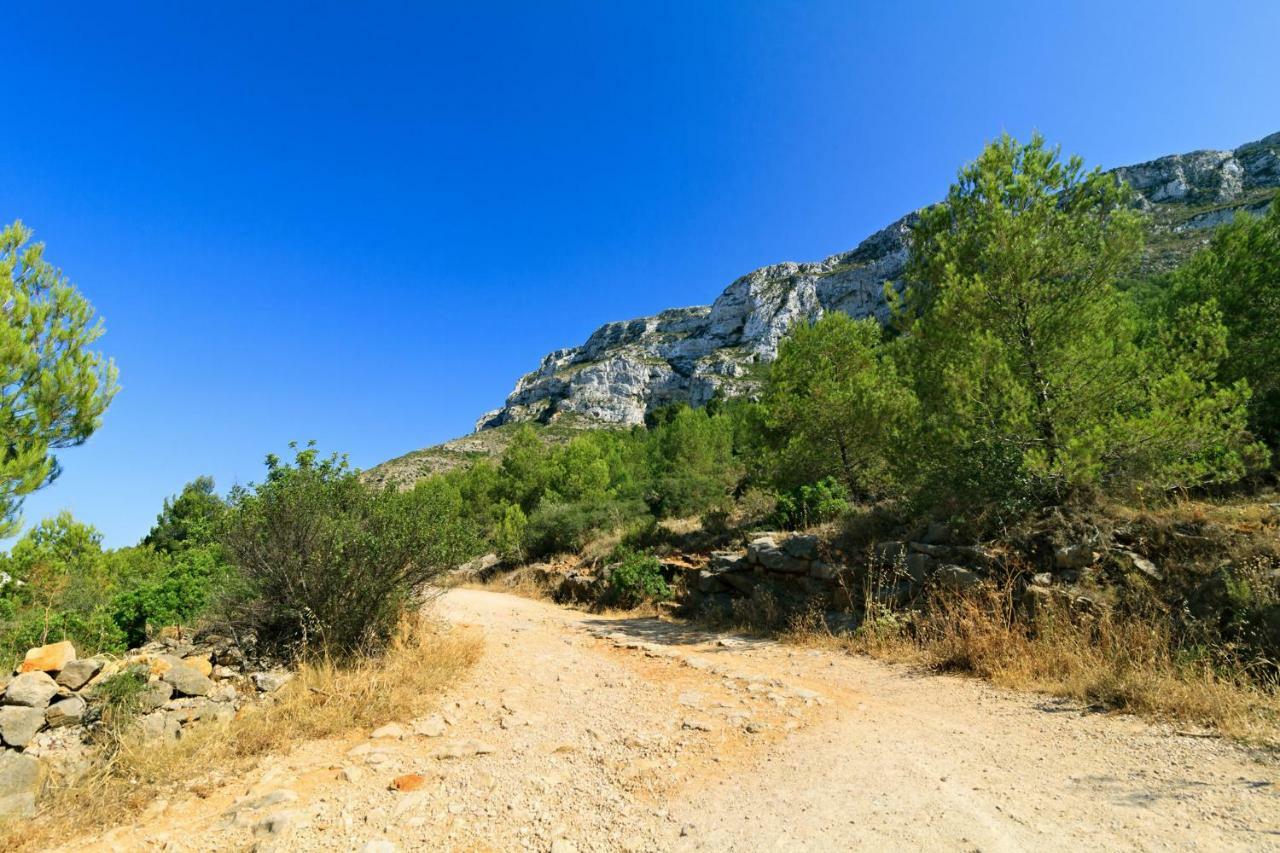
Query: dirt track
{"points": [[579, 732]]}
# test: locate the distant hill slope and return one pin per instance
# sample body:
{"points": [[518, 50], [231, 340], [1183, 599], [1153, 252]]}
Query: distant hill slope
{"points": [[688, 354]]}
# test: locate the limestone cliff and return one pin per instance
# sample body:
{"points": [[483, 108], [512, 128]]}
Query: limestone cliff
{"points": [[686, 354]]}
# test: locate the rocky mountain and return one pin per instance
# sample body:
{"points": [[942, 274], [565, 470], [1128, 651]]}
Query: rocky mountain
{"points": [[688, 354]]}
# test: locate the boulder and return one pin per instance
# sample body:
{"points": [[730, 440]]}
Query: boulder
{"points": [[889, 553], [956, 578], [919, 566], [50, 658], [708, 581], [1141, 564], [187, 681], [32, 689], [65, 712], [728, 561], [759, 544], [224, 693], [577, 587], [1072, 556], [154, 695], [200, 664], [824, 571], [21, 778], [19, 724], [78, 673], [802, 547], [938, 552], [158, 725], [270, 682], [740, 582], [936, 533], [771, 558]]}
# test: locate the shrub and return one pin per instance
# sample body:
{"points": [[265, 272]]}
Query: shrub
{"points": [[509, 533], [837, 406], [329, 565], [162, 589], [556, 528], [812, 504], [636, 579]]}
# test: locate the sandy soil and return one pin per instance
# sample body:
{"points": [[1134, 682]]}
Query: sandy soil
{"points": [[580, 732]]}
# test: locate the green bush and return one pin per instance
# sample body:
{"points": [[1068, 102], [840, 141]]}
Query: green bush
{"points": [[1240, 272], [560, 528], [636, 578], [162, 589], [329, 565], [509, 534], [815, 503]]}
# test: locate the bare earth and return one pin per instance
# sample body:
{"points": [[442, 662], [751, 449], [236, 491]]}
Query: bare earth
{"points": [[579, 732]]}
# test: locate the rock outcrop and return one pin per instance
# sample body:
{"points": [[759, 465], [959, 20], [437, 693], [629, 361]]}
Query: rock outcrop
{"points": [[689, 354]]}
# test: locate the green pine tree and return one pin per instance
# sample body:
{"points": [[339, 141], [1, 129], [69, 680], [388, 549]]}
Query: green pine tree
{"points": [[54, 389]]}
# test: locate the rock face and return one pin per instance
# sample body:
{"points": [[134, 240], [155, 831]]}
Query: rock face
{"points": [[628, 368]]}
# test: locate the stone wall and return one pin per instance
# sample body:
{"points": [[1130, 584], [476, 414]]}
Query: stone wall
{"points": [[51, 706]]}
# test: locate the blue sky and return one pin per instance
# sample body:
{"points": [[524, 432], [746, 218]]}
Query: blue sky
{"points": [[360, 223]]}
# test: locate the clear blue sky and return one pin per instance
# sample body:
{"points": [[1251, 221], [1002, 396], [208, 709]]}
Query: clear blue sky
{"points": [[360, 223]]}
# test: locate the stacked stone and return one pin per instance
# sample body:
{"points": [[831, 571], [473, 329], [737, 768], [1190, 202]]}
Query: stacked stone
{"points": [[51, 705], [795, 574]]}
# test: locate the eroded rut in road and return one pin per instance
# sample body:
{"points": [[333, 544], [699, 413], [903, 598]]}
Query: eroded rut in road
{"points": [[580, 732]]}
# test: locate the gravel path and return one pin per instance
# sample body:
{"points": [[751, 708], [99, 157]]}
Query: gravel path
{"points": [[577, 732]]}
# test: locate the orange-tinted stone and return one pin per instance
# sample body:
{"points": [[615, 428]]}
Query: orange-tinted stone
{"points": [[408, 782], [50, 658], [199, 664]]}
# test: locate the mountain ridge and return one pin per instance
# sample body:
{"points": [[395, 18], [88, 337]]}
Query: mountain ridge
{"points": [[626, 368]]}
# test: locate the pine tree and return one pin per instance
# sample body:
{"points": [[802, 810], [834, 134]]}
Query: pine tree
{"points": [[53, 388], [1026, 357]]}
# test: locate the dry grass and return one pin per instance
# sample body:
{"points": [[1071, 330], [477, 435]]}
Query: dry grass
{"points": [[1131, 664], [323, 700]]}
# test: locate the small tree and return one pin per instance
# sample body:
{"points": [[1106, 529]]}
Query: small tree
{"points": [[1026, 358], [189, 519], [53, 388], [838, 407], [691, 467], [330, 565], [509, 533], [1240, 272]]}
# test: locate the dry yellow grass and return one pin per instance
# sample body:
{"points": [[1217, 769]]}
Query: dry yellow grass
{"points": [[323, 700], [1128, 664]]}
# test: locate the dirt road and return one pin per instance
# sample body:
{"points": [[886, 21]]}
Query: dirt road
{"points": [[577, 732]]}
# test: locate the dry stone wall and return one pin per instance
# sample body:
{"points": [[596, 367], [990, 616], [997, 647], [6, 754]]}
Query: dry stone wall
{"points": [[51, 705]]}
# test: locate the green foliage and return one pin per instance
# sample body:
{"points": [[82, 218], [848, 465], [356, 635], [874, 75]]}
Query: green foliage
{"points": [[812, 503], [53, 388], [329, 565], [59, 590], [1028, 362], [691, 465], [636, 578], [191, 518], [162, 589], [121, 697], [526, 469], [65, 586], [509, 534], [837, 407], [1239, 272], [562, 528]]}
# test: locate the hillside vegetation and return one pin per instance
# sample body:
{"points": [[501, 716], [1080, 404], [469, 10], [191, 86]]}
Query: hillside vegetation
{"points": [[1033, 399]]}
